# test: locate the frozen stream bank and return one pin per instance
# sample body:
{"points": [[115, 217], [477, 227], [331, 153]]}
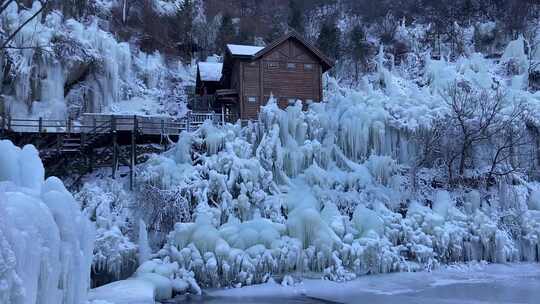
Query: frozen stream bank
{"points": [[513, 283]]}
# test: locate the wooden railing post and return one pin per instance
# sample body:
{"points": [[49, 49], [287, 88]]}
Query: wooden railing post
{"points": [[9, 122], [40, 125], [162, 127], [114, 146]]}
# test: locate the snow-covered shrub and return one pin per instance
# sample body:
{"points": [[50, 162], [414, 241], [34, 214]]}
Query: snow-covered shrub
{"points": [[45, 241], [106, 203]]}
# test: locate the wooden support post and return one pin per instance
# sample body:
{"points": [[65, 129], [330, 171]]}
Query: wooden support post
{"points": [[69, 125], [90, 159], [188, 120], [9, 123], [133, 158], [40, 125], [114, 147], [58, 144], [164, 135]]}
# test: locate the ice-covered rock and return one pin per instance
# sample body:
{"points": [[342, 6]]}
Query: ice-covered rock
{"points": [[45, 241]]}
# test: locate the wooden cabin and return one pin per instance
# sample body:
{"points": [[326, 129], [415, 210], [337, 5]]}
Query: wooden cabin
{"points": [[289, 68]]}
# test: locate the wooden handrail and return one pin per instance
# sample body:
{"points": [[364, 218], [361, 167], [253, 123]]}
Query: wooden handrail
{"points": [[104, 124]]}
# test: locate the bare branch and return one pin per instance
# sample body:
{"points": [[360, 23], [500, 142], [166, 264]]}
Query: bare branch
{"points": [[12, 36]]}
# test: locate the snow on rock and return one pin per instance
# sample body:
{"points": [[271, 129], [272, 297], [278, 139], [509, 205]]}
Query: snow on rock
{"points": [[129, 291], [46, 242]]}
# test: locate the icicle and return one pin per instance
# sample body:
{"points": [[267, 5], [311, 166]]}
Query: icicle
{"points": [[144, 248]]}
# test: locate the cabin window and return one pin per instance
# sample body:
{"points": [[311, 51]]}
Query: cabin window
{"points": [[273, 65], [291, 66], [252, 99], [308, 67]]}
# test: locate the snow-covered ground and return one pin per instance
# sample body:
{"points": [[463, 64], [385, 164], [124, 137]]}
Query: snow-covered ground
{"points": [[457, 284], [478, 283]]}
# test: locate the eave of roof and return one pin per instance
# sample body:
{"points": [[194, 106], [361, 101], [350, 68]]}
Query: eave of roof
{"points": [[243, 50]]}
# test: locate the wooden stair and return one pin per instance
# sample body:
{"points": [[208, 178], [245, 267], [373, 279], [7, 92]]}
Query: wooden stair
{"points": [[71, 144]]}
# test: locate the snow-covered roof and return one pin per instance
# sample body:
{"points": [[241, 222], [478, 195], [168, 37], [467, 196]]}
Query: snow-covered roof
{"points": [[244, 50], [210, 71]]}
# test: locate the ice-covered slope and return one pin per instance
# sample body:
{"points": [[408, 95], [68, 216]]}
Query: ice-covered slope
{"points": [[288, 196], [58, 67], [330, 190], [45, 241]]}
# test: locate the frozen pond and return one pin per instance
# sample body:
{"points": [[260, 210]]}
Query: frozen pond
{"points": [[515, 283]]}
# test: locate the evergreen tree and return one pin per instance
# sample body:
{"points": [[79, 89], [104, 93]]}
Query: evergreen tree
{"points": [[276, 30], [328, 40], [184, 17], [359, 48], [226, 32], [246, 33], [296, 16]]}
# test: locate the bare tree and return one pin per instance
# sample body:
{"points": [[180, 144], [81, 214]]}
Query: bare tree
{"points": [[509, 136], [427, 140], [478, 119], [387, 28]]}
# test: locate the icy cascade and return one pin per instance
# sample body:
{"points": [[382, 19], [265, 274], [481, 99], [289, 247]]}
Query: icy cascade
{"points": [[144, 248], [64, 67], [45, 241]]}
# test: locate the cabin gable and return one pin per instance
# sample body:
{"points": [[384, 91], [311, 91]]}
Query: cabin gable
{"points": [[291, 72]]}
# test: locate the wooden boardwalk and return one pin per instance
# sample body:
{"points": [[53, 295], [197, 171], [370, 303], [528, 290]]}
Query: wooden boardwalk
{"points": [[97, 139], [105, 123]]}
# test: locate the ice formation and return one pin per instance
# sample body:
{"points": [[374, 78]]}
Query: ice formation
{"points": [[105, 202], [320, 191], [45, 241], [328, 190], [71, 68]]}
